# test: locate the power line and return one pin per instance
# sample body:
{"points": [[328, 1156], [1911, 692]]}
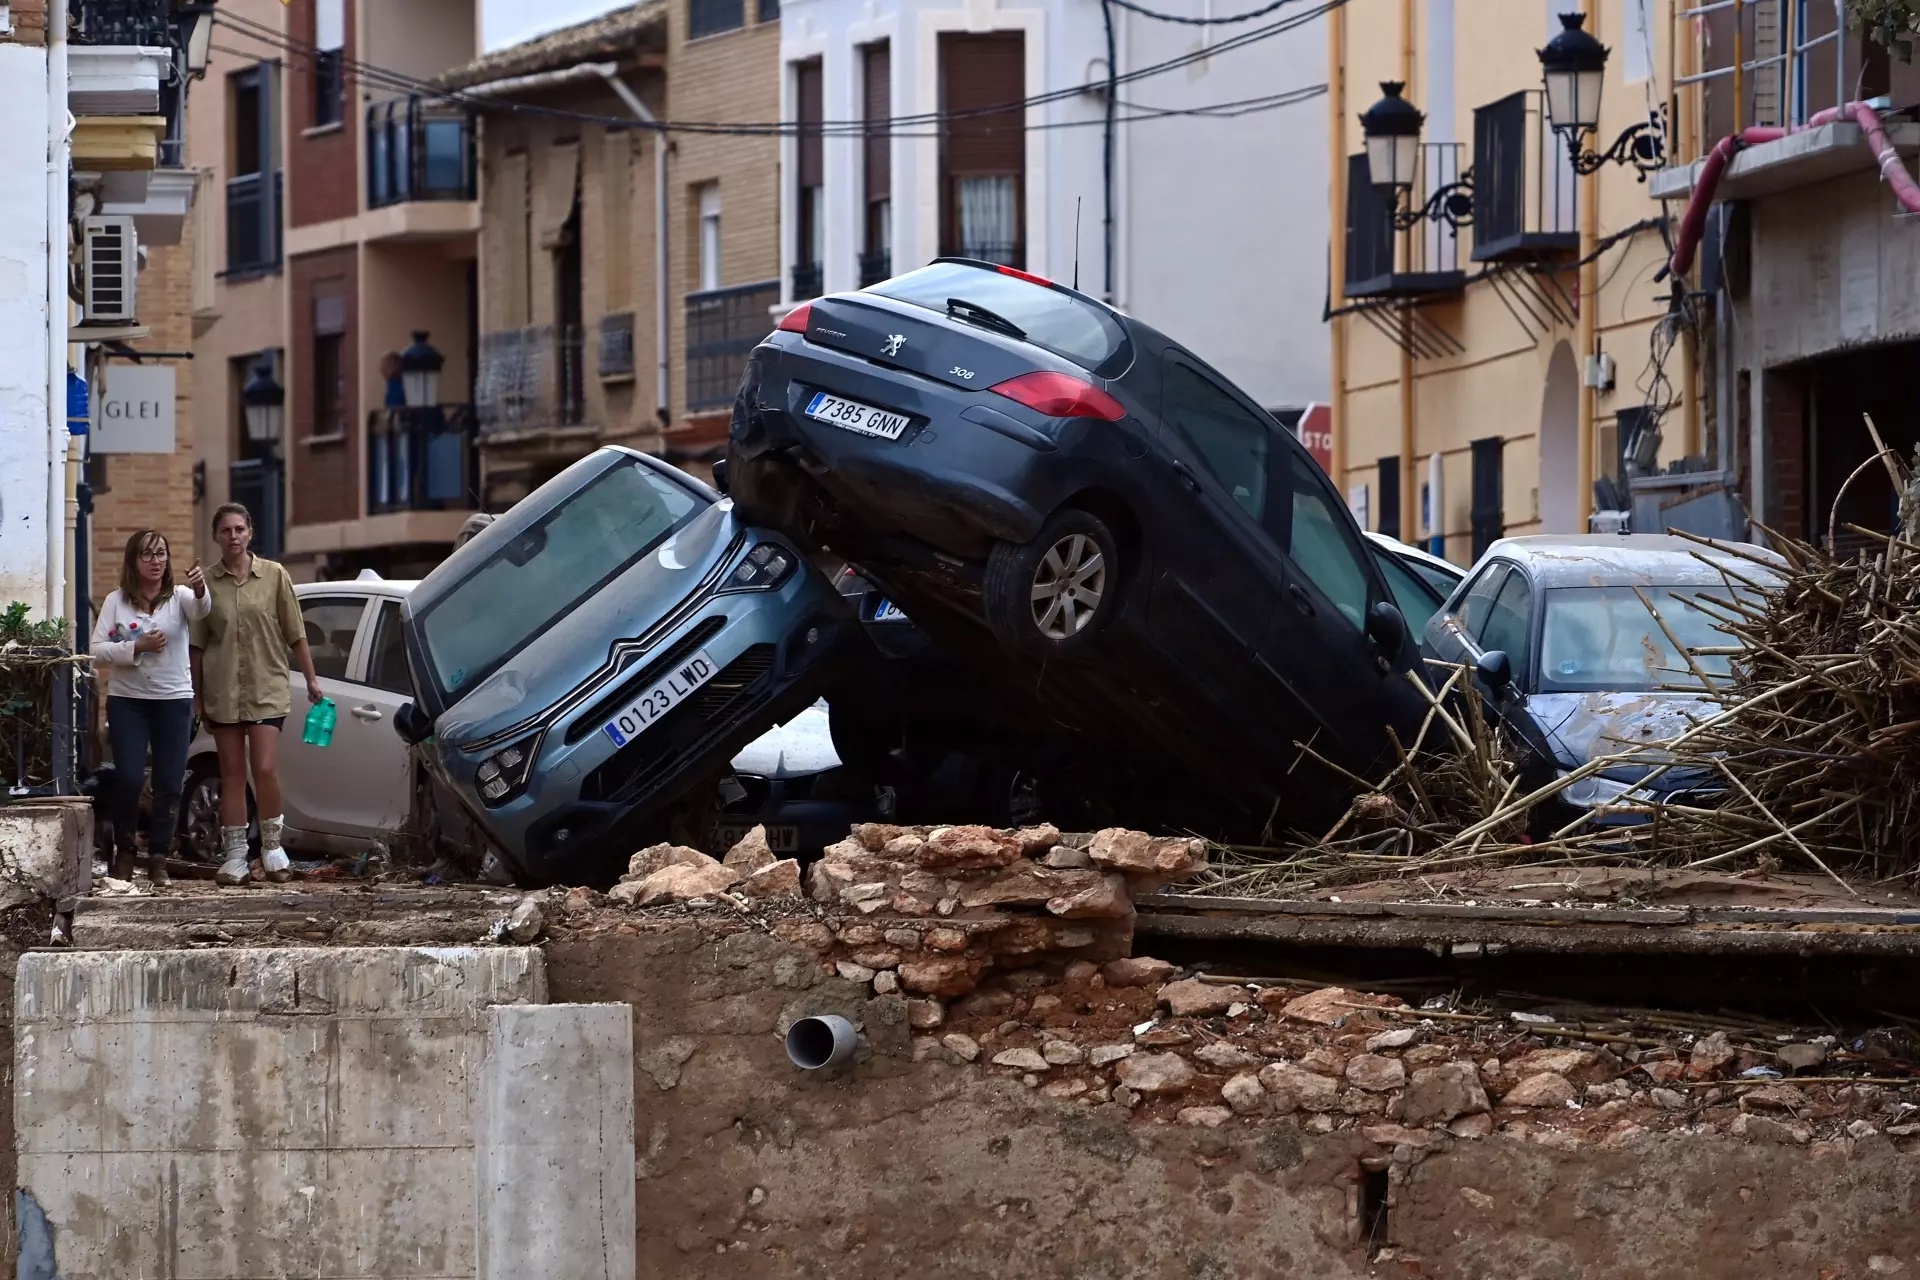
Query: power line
{"points": [[1248, 16], [382, 77]]}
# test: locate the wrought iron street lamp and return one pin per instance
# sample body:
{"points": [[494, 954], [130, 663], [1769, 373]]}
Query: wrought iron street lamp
{"points": [[420, 366], [1574, 68], [1391, 128], [194, 23], [265, 401]]}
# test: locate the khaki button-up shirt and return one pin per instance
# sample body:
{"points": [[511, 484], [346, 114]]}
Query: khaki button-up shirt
{"points": [[247, 640]]}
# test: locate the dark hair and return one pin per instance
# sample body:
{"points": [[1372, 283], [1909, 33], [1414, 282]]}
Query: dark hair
{"points": [[130, 568], [226, 509]]}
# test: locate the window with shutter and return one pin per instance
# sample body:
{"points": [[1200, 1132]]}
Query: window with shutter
{"points": [[983, 147]]}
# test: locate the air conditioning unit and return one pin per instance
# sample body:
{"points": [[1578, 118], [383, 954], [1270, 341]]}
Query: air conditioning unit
{"points": [[110, 266]]}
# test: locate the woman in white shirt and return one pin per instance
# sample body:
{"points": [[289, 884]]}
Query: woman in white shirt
{"points": [[142, 633]]}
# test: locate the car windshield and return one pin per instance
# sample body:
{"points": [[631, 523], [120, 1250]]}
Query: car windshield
{"points": [[549, 568], [1605, 637], [1081, 331]]}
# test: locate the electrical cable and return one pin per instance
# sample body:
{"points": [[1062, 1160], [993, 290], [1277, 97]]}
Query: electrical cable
{"points": [[1157, 16], [382, 77]]}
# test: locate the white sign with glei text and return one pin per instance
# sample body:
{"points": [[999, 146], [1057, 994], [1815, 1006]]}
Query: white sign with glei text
{"points": [[135, 411]]}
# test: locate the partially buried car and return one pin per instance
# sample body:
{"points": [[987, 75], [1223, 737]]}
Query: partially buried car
{"points": [[1571, 645], [604, 648], [1132, 551]]}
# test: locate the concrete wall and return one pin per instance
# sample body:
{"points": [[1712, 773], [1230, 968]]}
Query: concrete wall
{"points": [[261, 1113], [25, 454]]}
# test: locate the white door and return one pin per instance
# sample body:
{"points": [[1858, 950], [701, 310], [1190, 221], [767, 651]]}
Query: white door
{"points": [[373, 788], [311, 777]]}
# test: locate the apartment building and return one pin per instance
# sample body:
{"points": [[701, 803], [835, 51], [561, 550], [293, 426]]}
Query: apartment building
{"points": [[1189, 211], [344, 226], [1807, 264], [1498, 335], [625, 272]]}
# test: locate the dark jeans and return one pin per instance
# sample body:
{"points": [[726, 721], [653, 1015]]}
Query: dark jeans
{"points": [[134, 725]]}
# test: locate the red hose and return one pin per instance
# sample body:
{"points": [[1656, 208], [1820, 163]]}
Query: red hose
{"points": [[1693, 224]]}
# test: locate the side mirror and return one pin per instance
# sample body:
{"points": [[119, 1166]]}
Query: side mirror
{"points": [[1496, 669], [720, 475], [412, 724], [1386, 628]]}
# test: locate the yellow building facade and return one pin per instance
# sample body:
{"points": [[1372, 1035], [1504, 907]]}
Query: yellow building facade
{"points": [[1492, 346]]}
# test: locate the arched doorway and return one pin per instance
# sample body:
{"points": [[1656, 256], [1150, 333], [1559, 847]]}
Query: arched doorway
{"points": [[1560, 444]]}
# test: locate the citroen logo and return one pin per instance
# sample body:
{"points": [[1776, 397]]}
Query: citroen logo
{"points": [[891, 347]]}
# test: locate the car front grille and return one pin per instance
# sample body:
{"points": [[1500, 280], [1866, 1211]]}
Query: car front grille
{"points": [[590, 720], [742, 686]]}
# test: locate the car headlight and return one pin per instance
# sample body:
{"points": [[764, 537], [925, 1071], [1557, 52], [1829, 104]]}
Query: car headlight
{"points": [[1593, 791], [762, 569], [504, 774]]}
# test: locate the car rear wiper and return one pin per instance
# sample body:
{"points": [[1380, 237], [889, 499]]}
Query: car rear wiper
{"points": [[988, 319]]}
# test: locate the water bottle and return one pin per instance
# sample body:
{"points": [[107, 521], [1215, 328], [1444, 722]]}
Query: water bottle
{"points": [[320, 721]]}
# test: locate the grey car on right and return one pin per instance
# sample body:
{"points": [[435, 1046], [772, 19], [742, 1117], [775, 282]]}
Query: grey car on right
{"points": [[1568, 654]]}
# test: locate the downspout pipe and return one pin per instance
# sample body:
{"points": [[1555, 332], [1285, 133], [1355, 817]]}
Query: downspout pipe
{"points": [[1693, 225], [662, 401], [59, 167]]}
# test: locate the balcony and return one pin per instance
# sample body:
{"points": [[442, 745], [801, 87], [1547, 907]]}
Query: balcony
{"points": [[806, 281], [418, 150], [530, 380], [422, 459], [723, 327], [124, 22], [1523, 183], [253, 223], [117, 79], [1385, 262], [875, 267]]}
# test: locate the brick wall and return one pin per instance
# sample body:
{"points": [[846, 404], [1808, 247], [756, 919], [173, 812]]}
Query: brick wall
{"points": [[322, 165], [29, 22], [154, 491], [323, 476], [733, 76]]}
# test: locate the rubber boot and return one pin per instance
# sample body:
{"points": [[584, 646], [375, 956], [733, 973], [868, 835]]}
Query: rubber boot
{"points": [[278, 866], [233, 850]]}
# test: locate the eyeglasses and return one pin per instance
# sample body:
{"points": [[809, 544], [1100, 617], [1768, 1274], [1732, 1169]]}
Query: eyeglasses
{"points": [[154, 553]]}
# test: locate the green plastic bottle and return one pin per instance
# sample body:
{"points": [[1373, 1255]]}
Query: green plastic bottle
{"points": [[320, 722]]}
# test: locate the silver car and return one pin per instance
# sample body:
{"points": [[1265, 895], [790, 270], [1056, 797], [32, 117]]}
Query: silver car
{"points": [[604, 648]]}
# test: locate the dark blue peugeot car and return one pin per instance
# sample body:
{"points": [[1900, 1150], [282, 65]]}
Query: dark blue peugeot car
{"points": [[1138, 558]]}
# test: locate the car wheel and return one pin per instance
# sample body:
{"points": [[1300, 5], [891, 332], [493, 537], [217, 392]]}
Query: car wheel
{"points": [[1054, 594], [199, 838]]}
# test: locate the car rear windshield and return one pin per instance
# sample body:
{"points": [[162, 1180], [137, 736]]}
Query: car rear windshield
{"points": [[1081, 331], [1605, 638], [548, 569]]}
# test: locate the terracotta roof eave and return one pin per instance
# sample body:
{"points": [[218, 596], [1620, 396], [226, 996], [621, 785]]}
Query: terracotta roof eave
{"points": [[634, 30]]}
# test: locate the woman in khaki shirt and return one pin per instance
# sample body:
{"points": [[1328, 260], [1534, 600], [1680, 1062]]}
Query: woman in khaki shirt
{"points": [[241, 689]]}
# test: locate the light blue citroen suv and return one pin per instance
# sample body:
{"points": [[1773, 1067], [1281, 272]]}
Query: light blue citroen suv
{"points": [[603, 648]]}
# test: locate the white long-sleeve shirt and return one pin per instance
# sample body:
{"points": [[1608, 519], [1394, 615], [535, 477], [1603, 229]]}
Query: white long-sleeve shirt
{"points": [[148, 675]]}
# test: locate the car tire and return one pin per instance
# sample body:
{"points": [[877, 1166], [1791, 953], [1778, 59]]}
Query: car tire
{"points": [[1053, 595], [199, 838]]}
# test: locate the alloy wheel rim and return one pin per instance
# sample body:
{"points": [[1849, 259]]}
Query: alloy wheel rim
{"points": [[203, 819], [1068, 586]]}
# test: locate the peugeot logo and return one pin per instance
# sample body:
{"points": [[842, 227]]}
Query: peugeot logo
{"points": [[891, 347]]}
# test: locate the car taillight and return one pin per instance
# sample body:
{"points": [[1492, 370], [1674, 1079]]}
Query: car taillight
{"points": [[1060, 395], [795, 321], [1018, 274]]}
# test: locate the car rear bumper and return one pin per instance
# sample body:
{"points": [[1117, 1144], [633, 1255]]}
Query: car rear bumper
{"points": [[949, 480], [588, 798]]}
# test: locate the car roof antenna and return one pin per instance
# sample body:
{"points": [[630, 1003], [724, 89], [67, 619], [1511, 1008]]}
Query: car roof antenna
{"points": [[1076, 243]]}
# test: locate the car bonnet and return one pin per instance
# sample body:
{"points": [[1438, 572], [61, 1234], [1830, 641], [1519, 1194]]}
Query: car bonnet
{"points": [[579, 648], [1583, 725]]}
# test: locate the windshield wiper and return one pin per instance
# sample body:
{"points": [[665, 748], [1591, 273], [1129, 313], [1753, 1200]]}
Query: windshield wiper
{"points": [[986, 319]]}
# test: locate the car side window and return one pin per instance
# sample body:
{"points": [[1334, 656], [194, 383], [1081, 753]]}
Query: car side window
{"points": [[330, 623], [1232, 443], [1509, 623], [387, 662], [1324, 547], [1418, 601], [1478, 602]]}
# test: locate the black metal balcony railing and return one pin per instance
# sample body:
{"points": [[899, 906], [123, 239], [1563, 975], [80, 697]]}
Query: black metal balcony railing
{"points": [[253, 223], [723, 326], [257, 484], [615, 351], [1006, 254], [143, 22], [875, 267], [530, 379], [418, 150], [1523, 186], [422, 459], [1384, 261], [806, 280]]}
